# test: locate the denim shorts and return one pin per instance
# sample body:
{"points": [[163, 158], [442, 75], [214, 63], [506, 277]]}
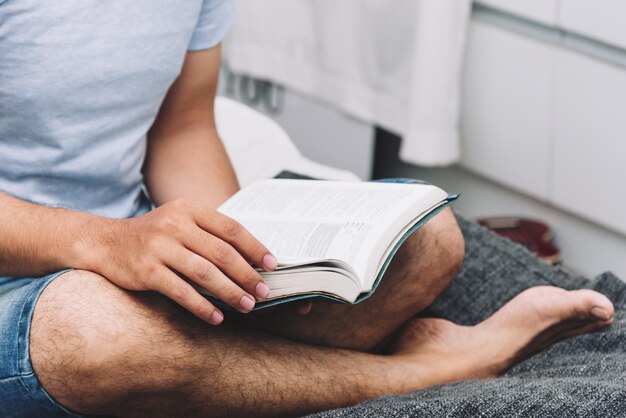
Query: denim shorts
{"points": [[21, 394]]}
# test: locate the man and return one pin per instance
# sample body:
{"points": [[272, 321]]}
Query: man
{"points": [[97, 98]]}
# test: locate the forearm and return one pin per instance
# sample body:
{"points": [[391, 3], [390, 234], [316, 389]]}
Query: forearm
{"points": [[186, 158], [37, 240], [191, 164]]}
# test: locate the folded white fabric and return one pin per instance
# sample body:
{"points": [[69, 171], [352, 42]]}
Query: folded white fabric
{"points": [[259, 148], [394, 63]]}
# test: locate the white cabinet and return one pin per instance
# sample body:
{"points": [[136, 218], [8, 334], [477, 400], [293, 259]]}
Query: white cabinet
{"points": [[544, 11], [546, 118], [590, 139], [507, 114], [602, 20]]}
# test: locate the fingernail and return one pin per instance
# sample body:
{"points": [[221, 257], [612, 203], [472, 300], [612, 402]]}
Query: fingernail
{"points": [[270, 262], [262, 290], [246, 303], [600, 313], [216, 317]]}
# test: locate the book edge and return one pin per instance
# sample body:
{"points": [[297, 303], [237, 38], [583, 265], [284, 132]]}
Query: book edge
{"points": [[363, 296]]}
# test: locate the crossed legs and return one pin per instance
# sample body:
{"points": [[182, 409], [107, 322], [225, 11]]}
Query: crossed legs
{"points": [[132, 355], [99, 349]]}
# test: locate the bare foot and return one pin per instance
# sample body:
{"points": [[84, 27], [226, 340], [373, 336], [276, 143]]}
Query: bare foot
{"points": [[530, 322]]}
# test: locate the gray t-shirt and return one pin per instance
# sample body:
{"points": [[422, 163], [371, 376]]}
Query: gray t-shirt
{"points": [[81, 82]]}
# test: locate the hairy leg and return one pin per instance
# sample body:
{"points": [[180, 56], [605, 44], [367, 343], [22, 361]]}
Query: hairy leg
{"points": [[102, 350], [423, 267], [99, 349]]}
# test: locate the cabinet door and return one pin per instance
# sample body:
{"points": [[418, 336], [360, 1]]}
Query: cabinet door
{"points": [[544, 11], [507, 115], [603, 20], [590, 139]]}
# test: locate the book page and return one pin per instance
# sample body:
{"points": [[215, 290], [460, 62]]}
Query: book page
{"points": [[300, 219], [293, 239]]}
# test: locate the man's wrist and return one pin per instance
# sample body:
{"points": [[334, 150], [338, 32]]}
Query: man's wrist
{"points": [[90, 240]]}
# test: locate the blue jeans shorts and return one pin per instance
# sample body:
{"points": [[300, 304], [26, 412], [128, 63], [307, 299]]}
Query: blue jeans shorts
{"points": [[21, 393]]}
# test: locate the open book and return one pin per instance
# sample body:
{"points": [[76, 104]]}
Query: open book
{"points": [[332, 239]]}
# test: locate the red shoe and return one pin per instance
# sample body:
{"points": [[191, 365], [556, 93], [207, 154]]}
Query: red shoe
{"points": [[532, 234]]}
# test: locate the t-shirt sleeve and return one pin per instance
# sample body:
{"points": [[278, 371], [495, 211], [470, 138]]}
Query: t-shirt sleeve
{"points": [[216, 18]]}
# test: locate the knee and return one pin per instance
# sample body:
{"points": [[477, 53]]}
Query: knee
{"points": [[433, 256], [444, 235], [86, 340], [427, 263], [74, 337]]}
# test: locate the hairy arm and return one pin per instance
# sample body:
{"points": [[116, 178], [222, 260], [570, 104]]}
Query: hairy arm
{"points": [[36, 240], [186, 158]]}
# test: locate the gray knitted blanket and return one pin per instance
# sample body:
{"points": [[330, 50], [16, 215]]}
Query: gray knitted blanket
{"points": [[581, 376]]}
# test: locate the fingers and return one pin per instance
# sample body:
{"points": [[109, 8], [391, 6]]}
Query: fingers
{"points": [[211, 250], [229, 261], [208, 276], [181, 292], [235, 234], [304, 308]]}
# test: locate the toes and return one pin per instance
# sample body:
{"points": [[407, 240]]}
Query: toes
{"points": [[546, 306], [589, 304], [580, 328], [601, 313]]}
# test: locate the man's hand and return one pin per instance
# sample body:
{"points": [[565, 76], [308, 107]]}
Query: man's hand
{"points": [[182, 237], [186, 159]]}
